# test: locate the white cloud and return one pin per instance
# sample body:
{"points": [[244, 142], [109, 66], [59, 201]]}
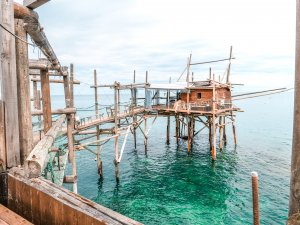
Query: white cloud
{"points": [[117, 37]]}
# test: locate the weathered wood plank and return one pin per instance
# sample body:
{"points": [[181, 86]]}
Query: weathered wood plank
{"points": [[10, 218], [23, 90], [37, 159], [46, 100], [60, 206], [8, 79]]}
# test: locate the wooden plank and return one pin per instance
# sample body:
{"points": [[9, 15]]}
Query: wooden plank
{"points": [[37, 158], [2, 138], [11, 218], [33, 4], [8, 78], [46, 100], [23, 90], [55, 111]]}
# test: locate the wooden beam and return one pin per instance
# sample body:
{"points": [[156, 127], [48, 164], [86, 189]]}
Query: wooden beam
{"points": [[33, 4], [54, 81], [8, 79], [46, 100], [72, 82], [55, 111], [23, 90], [36, 161], [37, 72]]}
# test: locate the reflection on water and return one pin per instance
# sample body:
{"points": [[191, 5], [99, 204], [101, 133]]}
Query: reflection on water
{"points": [[170, 187]]}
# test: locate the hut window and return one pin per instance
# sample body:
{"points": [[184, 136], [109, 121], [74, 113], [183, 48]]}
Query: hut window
{"points": [[199, 95]]}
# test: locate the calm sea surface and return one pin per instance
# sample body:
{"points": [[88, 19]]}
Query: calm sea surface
{"points": [[167, 186]]}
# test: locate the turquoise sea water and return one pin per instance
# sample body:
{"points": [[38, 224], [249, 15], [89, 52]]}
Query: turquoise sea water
{"points": [[168, 186]]}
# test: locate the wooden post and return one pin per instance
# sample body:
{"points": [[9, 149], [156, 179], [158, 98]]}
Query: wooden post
{"points": [[8, 83], [145, 121], [134, 105], [255, 198], [233, 128], [39, 107], [2, 138], [210, 73], [229, 65], [189, 133], [188, 83], [213, 148], [210, 133], [192, 76], [168, 116], [71, 85], [294, 201], [46, 100], [224, 131], [23, 90], [70, 126], [220, 133], [177, 128], [99, 161], [116, 132]]}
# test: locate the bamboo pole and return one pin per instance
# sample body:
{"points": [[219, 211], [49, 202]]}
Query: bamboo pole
{"points": [[168, 116], [99, 161], [23, 90], [294, 201]]}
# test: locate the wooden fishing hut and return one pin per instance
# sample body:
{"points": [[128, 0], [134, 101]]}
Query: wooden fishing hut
{"points": [[207, 102]]}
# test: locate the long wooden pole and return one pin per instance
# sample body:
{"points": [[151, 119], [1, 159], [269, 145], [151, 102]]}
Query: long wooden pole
{"points": [[71, 85], [220, 133], [224, 131], [134, 105], [213, 148], [46, 100], [294, 202], [99, 161], [8, 83], [23, 90], [116, 132], [255, 198], [177, 128], [145, 121]]}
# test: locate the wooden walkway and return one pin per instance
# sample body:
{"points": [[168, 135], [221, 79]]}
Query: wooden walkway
{"points": [[108, 119]]}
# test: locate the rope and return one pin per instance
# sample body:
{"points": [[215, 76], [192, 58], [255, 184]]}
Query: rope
{"points": [[33, 45]]}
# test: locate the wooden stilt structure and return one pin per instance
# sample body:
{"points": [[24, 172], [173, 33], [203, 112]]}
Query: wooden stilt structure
{"points": [[116, 86], [99, 161]]}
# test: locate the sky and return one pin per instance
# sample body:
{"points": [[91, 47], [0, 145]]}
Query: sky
{"points": [[117, 37]]}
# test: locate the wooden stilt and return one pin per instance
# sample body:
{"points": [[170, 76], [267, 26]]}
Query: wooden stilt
{"points": [[213, 148], [220, 133], [116, 132], [71, 85], [233, 128], [210, 133], [23, 90], [46, 100], [134, 105], [146, 137], [2, 138], [189, 133], [70, 126], [168, 129], [99, 161], [224, 131], [177, 128]]}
